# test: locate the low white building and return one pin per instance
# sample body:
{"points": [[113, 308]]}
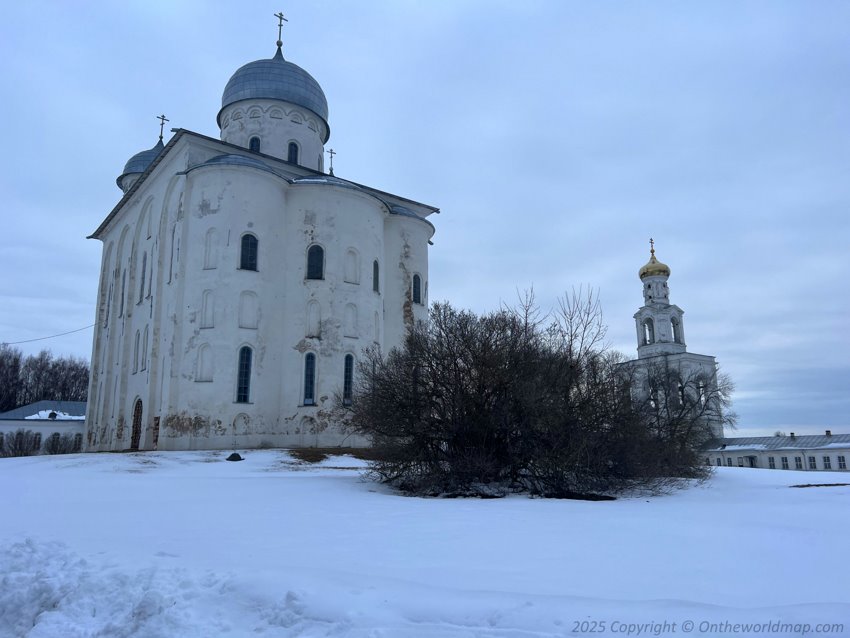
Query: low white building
{"points": [[240, 282], [46, 420], [822, 452]]}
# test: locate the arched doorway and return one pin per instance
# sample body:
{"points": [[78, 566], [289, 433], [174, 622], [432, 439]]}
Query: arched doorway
{"points": [[137, 425]]}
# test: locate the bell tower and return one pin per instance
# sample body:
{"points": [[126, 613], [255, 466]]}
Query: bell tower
{"points": [[660, 329]]}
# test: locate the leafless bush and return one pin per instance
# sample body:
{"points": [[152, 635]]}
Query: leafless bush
{"points": [[21, 443], [510, 401]]}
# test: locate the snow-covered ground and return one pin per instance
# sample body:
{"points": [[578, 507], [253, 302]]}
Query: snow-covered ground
{"points": [[188, 545]]}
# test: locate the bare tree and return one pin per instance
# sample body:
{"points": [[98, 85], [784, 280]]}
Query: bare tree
{"points": [[21, 443]]}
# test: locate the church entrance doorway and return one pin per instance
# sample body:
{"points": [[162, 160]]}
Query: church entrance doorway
{"points": [[137, 425]]}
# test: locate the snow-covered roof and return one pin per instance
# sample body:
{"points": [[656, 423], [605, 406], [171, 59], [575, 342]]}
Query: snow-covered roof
{"points": [[68, 409], [762, 443]]}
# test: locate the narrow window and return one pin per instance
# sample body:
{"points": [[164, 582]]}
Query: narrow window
{"points": [[243, 382], [254, 144], [211, 249], [207, 309], [842, 463], [798, 462], [310, 379], [136, 354], [771, 462], [675, 330], [315, 262], [123, 292], [347, 379], [648, 332], [719, 462], [142, 282], [248, 253], [417, 289], [813, 465], [784, 462], [78, 442], [292, 153], [827, 463], [729, 462], [740, 461], [143, 364], [376, 277]]}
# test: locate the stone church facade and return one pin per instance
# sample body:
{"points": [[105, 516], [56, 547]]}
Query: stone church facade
{"points": [[240, 282]]}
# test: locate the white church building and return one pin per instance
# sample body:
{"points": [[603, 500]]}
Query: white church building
{"points": [[240, 282]]}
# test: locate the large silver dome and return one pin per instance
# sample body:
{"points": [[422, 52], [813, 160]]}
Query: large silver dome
{"points": [[275, 79]]}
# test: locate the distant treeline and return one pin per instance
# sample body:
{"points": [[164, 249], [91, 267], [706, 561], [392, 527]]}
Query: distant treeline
{"points": [[40, 377]]}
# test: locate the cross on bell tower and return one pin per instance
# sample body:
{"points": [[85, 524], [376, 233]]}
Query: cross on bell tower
{"points": [[331, 153]]}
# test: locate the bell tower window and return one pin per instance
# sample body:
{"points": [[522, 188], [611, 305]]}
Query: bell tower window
{"points": [[648, 332]]}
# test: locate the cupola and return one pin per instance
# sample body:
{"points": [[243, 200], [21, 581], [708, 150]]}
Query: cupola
{"points": [[137, 165]]}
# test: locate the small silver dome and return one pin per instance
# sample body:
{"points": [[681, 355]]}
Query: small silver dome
{"points": [[140, 161], [275, 79]]}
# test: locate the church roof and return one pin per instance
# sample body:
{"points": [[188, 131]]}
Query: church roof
{"points": [[275, 79], [74, 409], [231, 159]]}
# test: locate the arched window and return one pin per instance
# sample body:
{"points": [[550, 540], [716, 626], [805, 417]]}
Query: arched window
{"points": [[310, 379], [648, 332], [248, 252], [243, 375], [292, 153], [123, 292], [142, 281], [254, 144], [417, 289], [376, 274], [315, 262], [348, 379], [675, 330]]}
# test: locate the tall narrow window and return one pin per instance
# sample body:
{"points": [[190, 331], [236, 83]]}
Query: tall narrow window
{"points": [[207, 309], [243, 381], [348, 379], [248, 253], [675, 330], [310, 379], [123, 292], [211, 249], [143, 364], [142, 281], [417, 289], [315, 262], [254, 144], [376, 276], [648, 332], [292, 153], [136, 353]]}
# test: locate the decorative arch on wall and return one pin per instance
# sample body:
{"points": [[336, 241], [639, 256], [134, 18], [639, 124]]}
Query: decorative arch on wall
{"points": [[350, 321], [208, 309], [211, 249], [143, 364], [314, 319], [351, 269], [204, 366], [248, 309]]}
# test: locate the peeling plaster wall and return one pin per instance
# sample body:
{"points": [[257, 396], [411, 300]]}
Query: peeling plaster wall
{"points": [[203, 308]]}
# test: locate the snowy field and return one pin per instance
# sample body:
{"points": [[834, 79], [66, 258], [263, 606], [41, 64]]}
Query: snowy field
{"points": [[188, 545]]}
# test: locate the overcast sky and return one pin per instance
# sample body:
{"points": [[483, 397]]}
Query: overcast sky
{"points": [[556, 137]]}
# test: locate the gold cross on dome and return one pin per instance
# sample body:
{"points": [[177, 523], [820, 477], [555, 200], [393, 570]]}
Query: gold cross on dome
{"points": [[651, 246]]}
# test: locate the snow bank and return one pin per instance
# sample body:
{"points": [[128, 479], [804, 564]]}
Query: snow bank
{"points": [[59, 416], [185, 544]]}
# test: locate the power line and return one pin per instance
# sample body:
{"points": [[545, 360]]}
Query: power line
{"points": [[61, 334]]}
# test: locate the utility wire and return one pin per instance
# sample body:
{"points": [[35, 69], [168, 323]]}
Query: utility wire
{"points": [[61, 334]]}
